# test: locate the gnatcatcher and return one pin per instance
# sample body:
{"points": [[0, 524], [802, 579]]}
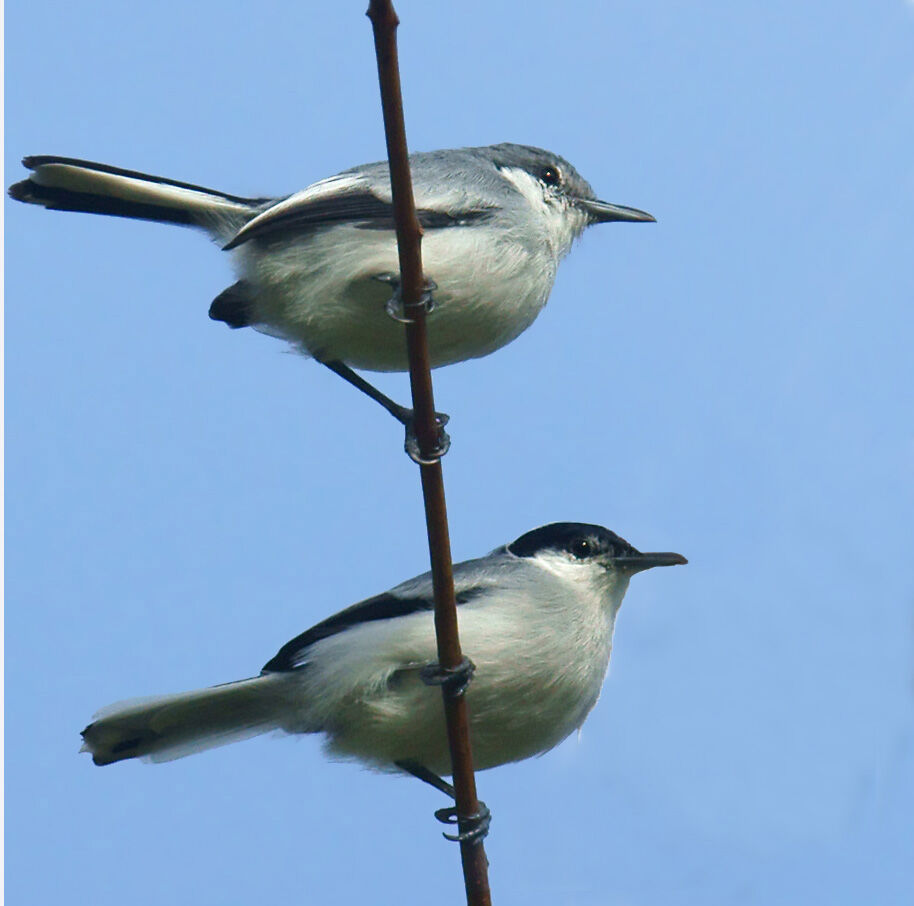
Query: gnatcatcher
{"points": [[536, 620], [317, 268]]}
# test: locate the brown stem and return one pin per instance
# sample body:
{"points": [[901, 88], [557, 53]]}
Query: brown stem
{"points": [[409, 238]]}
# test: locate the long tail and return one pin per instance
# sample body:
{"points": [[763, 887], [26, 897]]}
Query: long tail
{"points": [[66, 184], [172, 726]]}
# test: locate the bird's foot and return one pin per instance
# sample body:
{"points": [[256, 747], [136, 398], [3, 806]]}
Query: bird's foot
{"points": [[397, 308], [454, 679], [471, 828], [411, 444]]}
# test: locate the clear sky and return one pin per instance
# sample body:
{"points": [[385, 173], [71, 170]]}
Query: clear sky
{"points": [[734, 382]]}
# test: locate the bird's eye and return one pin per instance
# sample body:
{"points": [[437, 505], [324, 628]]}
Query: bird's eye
{"points": [[581, 548], [550, 176]]}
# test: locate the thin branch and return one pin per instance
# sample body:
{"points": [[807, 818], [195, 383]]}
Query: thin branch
{"points": [[409, 236]]}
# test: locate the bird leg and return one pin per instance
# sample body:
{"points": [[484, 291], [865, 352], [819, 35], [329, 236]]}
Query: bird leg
{"points": [[472, 828], [402, 414]]}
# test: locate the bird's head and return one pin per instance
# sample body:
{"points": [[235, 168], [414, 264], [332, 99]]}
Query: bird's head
{"points": [[591, 555], [547, 180]]}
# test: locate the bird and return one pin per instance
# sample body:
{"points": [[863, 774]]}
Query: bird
{"points": [[536, 622], [317, 268]]}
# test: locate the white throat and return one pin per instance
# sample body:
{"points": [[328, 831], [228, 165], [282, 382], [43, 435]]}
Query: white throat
{"points": [[561, 221]]}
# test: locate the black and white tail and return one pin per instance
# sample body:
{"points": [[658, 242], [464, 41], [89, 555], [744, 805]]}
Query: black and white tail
{"points": [[171, 726], [66, 184]]}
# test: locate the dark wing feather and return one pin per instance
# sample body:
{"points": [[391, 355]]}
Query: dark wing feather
{"points": [[381, 607], [359, 207]]}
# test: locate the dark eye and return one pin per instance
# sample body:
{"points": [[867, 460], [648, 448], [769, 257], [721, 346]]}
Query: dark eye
{"points": [[550, 176], [581, 548]]}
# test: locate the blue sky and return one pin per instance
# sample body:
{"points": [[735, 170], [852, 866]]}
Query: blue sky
{"points": [[734, 382]]}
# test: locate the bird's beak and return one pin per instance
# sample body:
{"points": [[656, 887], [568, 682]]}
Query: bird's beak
{"points": [[604, 212], [635, 563]]}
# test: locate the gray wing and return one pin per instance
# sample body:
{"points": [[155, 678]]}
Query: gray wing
{"points": [[390, 605], [348, 198]]}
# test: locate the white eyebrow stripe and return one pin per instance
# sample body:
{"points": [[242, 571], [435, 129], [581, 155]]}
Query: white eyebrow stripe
{"points": [[525, 183]]}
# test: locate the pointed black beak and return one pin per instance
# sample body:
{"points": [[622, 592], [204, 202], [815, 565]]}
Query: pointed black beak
{"points": [[604, 212], [636, 562]]}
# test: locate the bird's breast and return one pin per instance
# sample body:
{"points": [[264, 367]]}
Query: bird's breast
{"points": [[323, 295]]}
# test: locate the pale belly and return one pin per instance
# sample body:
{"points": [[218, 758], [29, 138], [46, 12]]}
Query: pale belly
{"points": [[477, 309], [505, 726]]}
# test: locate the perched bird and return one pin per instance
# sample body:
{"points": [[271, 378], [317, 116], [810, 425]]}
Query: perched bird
{"points": [[536, 619], [317, 268]]}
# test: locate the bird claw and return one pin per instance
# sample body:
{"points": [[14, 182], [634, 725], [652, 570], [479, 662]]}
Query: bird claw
{"points": [[395, 306], [442, 444], [454, 679], [472, 828]]}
